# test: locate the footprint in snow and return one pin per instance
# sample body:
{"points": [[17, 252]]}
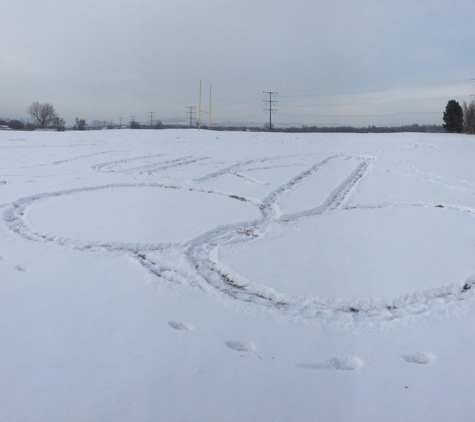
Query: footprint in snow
{"points": [[241, 346], [22, 269], [183, 326], [419, 358], [344, 363]]}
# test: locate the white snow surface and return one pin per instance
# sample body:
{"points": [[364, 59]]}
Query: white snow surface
{"points": [[185, 275]]}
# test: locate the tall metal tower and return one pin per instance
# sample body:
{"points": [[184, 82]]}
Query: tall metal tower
{"points": [[190, 112], [270, 103], [151, 118]]}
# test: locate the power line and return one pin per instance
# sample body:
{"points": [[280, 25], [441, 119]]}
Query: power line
{"points": [[270, 103], [458, 82], [374, 102], [133, 123], [357, 116]]}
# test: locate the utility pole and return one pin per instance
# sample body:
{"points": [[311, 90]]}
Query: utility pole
{"points": [[190, 113], [200, 110], [151, 117], [270, 103], [132, 122]]}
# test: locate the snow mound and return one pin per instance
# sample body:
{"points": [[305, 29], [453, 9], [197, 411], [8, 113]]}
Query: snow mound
{"points": [[241, 346], [419, 358], [183, 326], [345, 363]]}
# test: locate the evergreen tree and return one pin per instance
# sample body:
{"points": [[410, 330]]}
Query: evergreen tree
{"points": [[453, 117]]}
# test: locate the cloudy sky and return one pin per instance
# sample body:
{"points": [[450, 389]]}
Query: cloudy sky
{"points": [[339, 62]]}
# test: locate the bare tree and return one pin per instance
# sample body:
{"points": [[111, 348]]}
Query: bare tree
{"points": [[80, 124], [135, 125], [58, 123], [16, 124], [269, 127], [469, 117], [42, 114]]}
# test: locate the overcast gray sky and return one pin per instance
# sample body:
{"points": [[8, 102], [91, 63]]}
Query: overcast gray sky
{"points": [[347, 62]]}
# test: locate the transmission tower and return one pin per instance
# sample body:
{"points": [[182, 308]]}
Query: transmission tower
{"points": [[133, 123], [190, 112], [151, 117], [270, 103]]}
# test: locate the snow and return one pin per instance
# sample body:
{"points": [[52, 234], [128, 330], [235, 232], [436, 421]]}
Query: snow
{"points": [[359, 254], [318, 187], [142, 214], [183, 275]]}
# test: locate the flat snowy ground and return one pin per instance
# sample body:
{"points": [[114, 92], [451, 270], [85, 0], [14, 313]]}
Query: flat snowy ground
{"points": [[215, 276]]}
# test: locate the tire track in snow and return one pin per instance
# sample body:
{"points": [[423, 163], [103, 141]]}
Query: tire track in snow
{"points": [[268, 203], [431, 176], [148, 169], [336, 198], [173, 164], [15, 218], [205, 271], [428, 179], [237, 166], [155, 166], [205, 256], [110, 167], [80, 157], [247, 178]]}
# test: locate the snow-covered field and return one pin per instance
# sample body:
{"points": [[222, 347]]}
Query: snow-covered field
{"points": [[217, 276]]}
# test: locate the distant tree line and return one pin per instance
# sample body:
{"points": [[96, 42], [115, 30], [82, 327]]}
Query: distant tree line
{"points": [[367, 129], [136, 125], [14, 124], [42, 116], [457, 119]]}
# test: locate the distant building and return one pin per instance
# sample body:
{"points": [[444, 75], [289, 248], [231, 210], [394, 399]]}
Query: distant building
{"points": [[4, 127]]}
